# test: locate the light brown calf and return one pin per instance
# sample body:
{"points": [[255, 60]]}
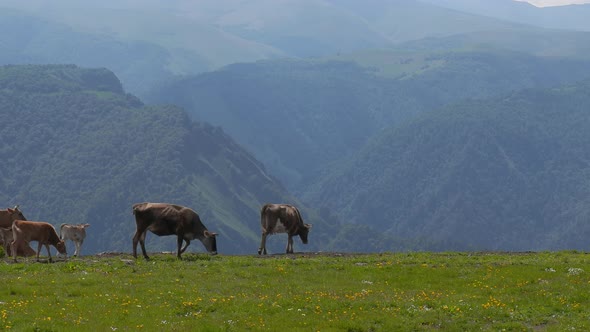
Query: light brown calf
{"points": [[6, 238], [42, 232], [75, 233]]}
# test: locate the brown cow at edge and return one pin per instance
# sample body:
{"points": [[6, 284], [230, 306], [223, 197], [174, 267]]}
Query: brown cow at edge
{"points": [[6, 237], [6, 218], [42, 232], [282, 218], [169, 219], [9, 215]]}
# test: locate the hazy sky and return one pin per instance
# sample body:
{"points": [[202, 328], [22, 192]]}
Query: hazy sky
{"points": [[545, 3]]}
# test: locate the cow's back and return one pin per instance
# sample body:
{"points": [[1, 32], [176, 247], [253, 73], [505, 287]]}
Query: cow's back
{"points": [[41, 231], [279, 218], [165, 218], [73, 232]]}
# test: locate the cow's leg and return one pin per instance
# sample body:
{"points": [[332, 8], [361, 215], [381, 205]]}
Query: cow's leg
{"points": [[185, 246], [262, 248], [80, 243], [290, 244], [179, 245], [142, 244], [49, 253], [139, 237], [13, 247], [77, 244], [39, 246], [135, 240]]}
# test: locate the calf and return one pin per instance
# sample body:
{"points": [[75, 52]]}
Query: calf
{"points": [[74, 233], [42, 232], [6, 238]]}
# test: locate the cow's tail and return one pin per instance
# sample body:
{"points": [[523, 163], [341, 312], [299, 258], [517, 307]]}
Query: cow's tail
{"points": [[264, 217], [264, 207], [263, 214]]}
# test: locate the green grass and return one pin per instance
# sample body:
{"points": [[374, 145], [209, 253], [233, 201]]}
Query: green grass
{"points": [[303, 292]]}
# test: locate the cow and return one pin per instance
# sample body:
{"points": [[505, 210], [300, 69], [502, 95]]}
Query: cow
{"points": [[282, 218], [170, 219], [74, 233], [9, 215], [42, 232], [6, 237], [6, 218]]}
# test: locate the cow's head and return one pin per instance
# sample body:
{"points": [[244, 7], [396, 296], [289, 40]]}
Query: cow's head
{"points": [[16, 214], [61, 247], [210, 242], [303, 231]]}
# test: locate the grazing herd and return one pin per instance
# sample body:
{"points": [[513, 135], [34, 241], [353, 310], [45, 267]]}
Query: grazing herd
{"points": [[162, 219]]}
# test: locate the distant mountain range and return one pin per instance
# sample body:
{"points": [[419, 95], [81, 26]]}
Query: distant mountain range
{"points": [[573, 17], [444, 125], [331, 109], [153, 42]]}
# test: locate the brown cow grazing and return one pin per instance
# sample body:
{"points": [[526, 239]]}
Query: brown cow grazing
{"points": [[169, 219], [6, 237], [75, 233], [282, 218], [42, 232], [9, 215]]}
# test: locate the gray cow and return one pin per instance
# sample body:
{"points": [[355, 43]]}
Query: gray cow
{"points": [[282, 218]]}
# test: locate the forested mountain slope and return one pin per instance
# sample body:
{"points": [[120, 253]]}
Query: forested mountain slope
{"points": [[76, 149], [509, 173], [300, 118], [538, 42]]}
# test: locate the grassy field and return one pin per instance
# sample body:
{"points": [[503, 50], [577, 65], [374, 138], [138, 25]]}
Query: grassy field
{"points": [[546, 291]]}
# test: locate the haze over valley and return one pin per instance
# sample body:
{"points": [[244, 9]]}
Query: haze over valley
{"points": [[393, 124]]}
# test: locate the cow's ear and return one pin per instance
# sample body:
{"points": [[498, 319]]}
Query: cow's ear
{"points": [[209, 234], [11, 211]]}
